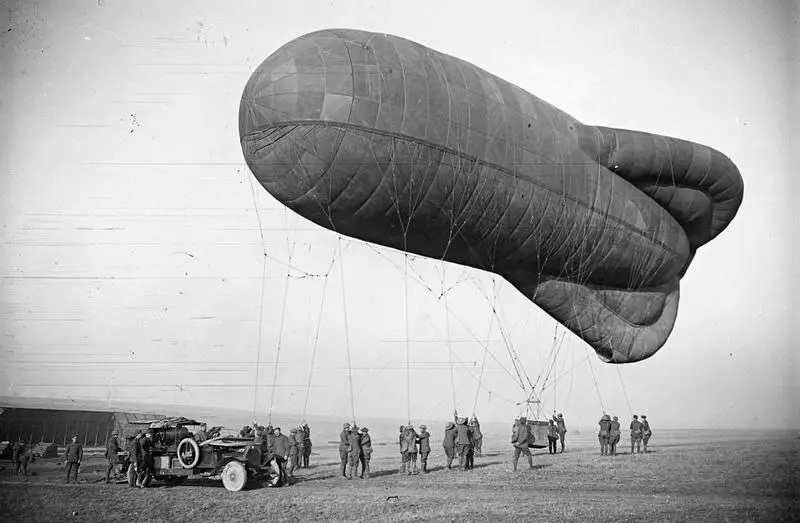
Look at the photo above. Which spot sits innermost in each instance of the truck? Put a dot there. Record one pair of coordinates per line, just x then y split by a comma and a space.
183, 448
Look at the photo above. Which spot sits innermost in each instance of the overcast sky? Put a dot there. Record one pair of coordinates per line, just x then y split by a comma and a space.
131, 252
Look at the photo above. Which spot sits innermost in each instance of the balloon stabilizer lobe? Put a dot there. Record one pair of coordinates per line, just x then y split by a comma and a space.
385, 140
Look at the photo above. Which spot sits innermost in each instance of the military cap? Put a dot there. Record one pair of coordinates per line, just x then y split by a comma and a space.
364, 429
423, 426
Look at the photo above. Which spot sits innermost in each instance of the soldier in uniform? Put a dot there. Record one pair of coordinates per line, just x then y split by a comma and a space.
366, 452
112, 447
520, 439
16, 456
636, 433
449, 442
353, 451
562, 430
463, 440
603, 434
408, 446
646, 432
74, 456
306, 444
477, 435
552, 437
614, 435
424, 440
471, 450
300, 439
402, 452
344, 445
146, 450
135, 455
293, 451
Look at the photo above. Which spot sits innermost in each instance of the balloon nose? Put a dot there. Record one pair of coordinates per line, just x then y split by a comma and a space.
309, 79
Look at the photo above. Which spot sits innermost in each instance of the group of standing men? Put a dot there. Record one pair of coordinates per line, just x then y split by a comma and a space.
463, 438
291, 452
610, 434
556, 431
22, 456
355, 446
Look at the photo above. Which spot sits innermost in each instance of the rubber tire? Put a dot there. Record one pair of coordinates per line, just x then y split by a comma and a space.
277, 475
234, 476
195, 448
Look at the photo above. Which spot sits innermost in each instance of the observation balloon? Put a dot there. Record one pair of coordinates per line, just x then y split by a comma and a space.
382, 139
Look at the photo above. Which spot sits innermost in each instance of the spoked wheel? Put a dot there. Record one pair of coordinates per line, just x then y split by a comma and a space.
276, 476
234, 476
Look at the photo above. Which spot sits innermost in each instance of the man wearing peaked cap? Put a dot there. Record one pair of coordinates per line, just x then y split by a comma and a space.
449, 443
344, 446
366, 452
424, 440
112, 448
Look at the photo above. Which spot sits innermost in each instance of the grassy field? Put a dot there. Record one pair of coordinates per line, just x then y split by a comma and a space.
688, 476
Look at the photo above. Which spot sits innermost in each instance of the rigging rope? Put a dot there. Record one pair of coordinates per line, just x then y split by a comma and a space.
316, 338
280, 338
346, 331
449, 343
408, 362
488, 339
263, 285
625, 392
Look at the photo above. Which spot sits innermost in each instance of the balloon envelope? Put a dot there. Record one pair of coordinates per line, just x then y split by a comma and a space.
385, 140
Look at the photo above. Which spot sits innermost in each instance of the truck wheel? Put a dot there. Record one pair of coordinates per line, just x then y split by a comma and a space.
188, 453
234, 476
276, 474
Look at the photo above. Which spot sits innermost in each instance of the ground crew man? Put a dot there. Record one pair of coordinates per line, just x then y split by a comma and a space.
471, 450
74, 456
520, 440
603, 434
344, 445
402, 452
135, 455
552, 436
366, 452
614, 435
409, 448
293, 451
146, 445
306, 444
562, 430
636, 433
463, 442
300, 439
280, 446
22, 455
112, 447
477, 435
646, 432
16, 456
424, 440
353, 451
449, 442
